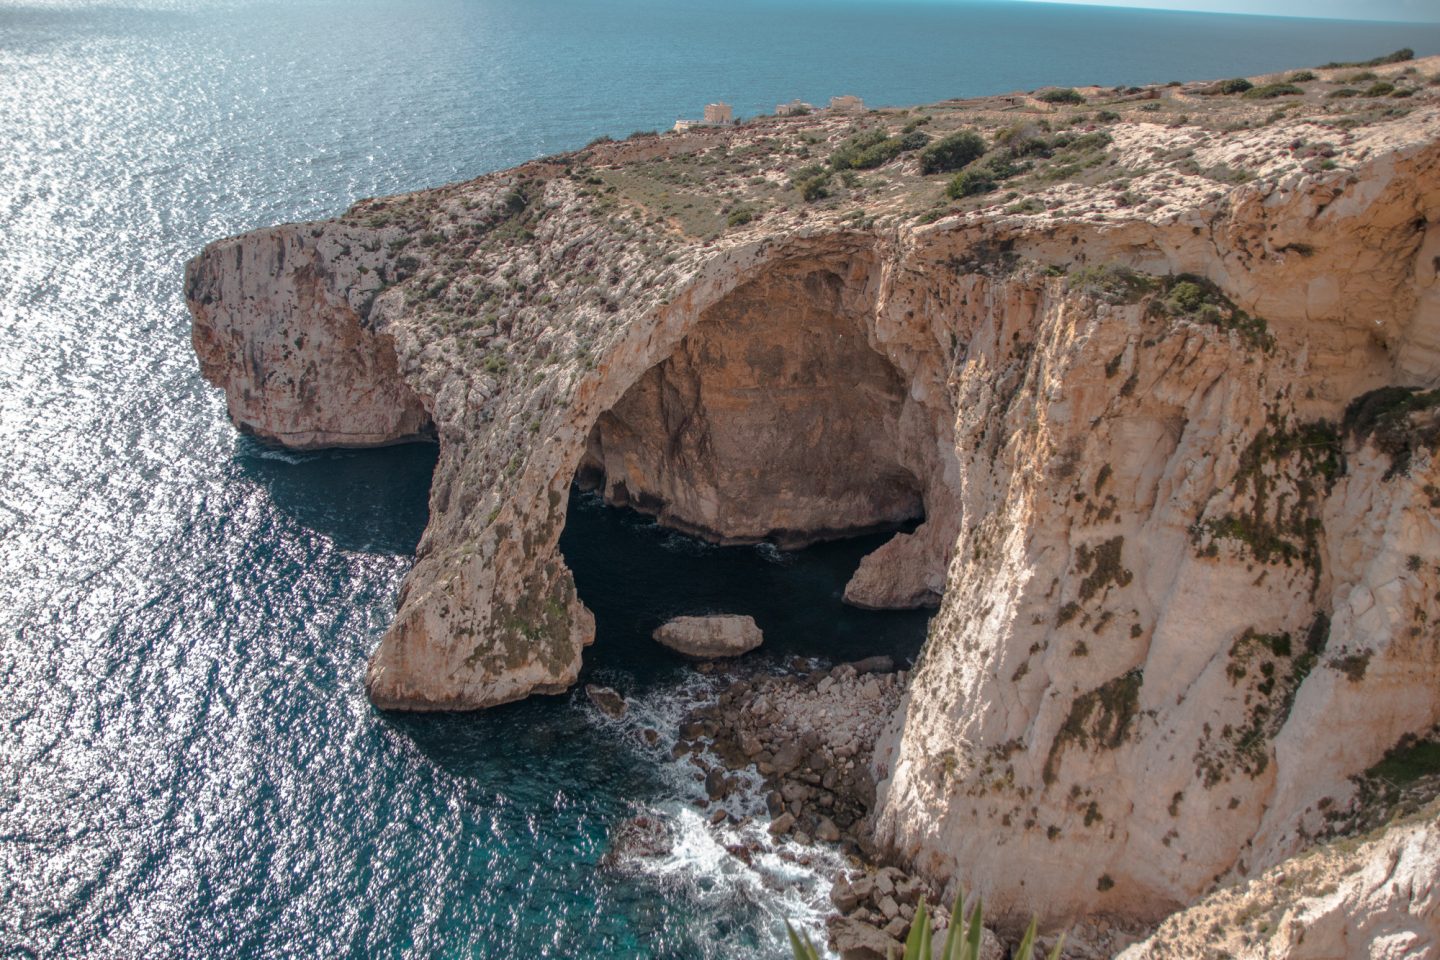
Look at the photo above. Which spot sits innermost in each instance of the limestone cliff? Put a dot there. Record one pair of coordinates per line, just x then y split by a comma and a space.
1161, 402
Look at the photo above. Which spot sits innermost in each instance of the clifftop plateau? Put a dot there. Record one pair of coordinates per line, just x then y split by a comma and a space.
1156, 372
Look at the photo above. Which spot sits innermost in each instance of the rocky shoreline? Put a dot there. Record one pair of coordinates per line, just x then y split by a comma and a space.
808, 734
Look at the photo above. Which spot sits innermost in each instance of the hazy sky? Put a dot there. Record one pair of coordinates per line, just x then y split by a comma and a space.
1425, 11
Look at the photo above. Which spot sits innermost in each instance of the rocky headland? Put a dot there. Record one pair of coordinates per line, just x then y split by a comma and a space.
1155, 373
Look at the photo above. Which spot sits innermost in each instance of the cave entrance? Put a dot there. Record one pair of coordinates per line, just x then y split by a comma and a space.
634, 574
754, 468
773, 420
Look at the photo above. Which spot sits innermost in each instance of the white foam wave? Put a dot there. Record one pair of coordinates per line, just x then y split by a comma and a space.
735, 865
284, 456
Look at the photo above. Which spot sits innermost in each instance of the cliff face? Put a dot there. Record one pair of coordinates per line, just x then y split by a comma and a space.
1181, 531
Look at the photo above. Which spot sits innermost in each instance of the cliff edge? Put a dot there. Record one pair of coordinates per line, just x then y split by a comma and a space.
1156, 374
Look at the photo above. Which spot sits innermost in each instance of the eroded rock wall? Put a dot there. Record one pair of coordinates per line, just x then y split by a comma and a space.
1183, 600
281, 325
1181, 586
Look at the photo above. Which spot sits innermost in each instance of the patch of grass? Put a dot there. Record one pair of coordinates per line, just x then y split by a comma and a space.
1408, 762
1196, 299
1103, 715
1384, 417
1112, 283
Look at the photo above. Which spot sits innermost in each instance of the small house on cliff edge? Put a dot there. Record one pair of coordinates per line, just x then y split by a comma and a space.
716, 115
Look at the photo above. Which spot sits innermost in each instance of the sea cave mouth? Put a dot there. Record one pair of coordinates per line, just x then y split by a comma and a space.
634, 574
773, 419
753, 469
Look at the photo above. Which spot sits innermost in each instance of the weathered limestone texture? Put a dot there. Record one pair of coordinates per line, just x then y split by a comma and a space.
1381, 902
1167, 422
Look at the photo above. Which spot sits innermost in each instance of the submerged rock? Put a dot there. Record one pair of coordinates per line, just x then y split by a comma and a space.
639, 836
707, 638
608, 700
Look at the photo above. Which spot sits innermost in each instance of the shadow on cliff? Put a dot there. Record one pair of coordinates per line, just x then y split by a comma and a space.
371, 501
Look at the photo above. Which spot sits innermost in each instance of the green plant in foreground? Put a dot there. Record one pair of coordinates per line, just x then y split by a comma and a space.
962, 941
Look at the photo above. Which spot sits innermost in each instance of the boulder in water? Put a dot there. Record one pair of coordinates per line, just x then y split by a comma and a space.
641, 836
707, 638
607, 700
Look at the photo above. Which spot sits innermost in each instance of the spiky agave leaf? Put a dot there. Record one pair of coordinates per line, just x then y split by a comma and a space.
800, 944
957, 923
1026, 950
973, 935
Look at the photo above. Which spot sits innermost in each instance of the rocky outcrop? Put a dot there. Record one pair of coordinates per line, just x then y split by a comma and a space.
709, 638
282, 325
1165, 416
1378, 900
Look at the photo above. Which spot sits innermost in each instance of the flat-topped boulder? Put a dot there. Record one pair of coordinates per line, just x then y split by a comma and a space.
708, 638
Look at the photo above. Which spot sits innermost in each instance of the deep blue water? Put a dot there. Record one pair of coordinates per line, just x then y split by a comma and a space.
188, 765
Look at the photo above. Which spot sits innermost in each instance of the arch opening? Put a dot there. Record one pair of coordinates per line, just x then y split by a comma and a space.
772, 420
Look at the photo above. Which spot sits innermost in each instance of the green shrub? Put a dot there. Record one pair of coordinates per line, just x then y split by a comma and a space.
1236, 85
1383, 416
813, 182
740, 216
969, 183
1301, 76
1023, 139
1342, 94
914, 140
1085, 143
1196, 299
952, 153
865, 151
815, 188
1063, 95
1399, 56
1272, 90
1112, 283
1106, 116
1380, 89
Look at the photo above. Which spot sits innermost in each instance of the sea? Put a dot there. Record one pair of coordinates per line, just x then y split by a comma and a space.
189, 766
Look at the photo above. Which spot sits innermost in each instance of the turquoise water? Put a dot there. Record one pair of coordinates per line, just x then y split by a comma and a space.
188, 765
